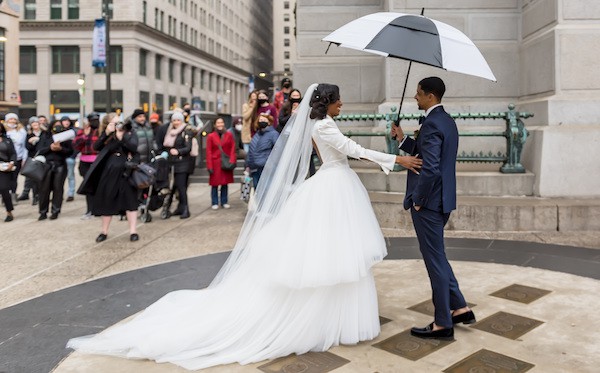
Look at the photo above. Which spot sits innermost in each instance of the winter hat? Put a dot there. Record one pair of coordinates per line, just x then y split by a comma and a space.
11, 116
137, 112
154, 117
33, 119
65, 118
177, 115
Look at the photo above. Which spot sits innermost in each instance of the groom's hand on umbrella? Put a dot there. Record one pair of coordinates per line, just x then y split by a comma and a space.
396, 132
410, 162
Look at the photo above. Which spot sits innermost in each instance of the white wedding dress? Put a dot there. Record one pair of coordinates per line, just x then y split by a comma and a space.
305, 283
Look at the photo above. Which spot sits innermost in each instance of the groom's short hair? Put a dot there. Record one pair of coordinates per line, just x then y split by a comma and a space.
433, 85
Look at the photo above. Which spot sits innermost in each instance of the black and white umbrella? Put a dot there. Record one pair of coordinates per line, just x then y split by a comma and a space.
413, 38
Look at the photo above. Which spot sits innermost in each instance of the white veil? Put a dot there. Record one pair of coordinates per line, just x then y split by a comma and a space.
285, 170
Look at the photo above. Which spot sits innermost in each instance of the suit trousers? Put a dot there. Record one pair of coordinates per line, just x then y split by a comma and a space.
429, 226
53, 182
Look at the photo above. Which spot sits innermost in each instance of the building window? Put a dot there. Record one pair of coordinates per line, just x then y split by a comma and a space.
144, 11
286, 30
65, 101
193, 83
171, 70
183, 101
286, 17
156, 18
159, 103
286, 55
286, 5
116, 60
202, 79
286, 42
109, 3
182, 74
73, 9
210, 81
162, 21
157, 67
55, 9
65, 60
145, 100
27, 60
143, 62
28, 107
2, 66
30, 8
116, 98
286, 67
172, 102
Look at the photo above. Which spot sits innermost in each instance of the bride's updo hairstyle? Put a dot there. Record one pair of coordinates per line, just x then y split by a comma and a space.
323, 96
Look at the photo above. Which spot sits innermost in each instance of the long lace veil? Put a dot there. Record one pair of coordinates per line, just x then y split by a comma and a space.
285, 170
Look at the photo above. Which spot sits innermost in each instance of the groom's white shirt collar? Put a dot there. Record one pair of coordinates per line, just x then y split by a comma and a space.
431, 109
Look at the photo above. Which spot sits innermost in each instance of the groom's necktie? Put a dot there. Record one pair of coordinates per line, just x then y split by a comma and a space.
422, 119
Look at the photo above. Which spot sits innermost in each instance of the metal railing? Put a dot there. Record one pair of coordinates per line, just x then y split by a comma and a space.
515, 134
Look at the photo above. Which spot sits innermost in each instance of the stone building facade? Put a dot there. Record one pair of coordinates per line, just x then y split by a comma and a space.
164, 53
543, 53
9, 57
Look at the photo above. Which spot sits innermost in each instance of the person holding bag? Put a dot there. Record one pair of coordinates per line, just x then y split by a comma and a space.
107, 179
8, 159
220, 151
175, 138
56, 154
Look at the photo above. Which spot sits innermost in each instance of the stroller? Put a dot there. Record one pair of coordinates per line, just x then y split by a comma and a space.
159, 193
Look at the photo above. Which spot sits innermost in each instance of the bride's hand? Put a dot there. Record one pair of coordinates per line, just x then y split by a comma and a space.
409, 162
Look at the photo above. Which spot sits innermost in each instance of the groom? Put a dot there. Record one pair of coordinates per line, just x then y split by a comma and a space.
431, 196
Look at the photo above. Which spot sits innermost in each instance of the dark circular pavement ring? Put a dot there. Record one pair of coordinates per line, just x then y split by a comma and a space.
33, 334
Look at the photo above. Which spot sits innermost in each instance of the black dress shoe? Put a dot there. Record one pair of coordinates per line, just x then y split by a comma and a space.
465, 318
9, 218
134, 237
101, 237
446, 334
70, 198
185, 213
54, 216
23, 197
43, 217
35, 201
178, 211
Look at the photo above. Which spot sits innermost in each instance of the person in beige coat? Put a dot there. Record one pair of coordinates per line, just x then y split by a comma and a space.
248, 116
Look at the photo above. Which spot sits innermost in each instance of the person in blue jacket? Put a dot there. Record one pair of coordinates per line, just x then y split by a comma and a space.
260, 147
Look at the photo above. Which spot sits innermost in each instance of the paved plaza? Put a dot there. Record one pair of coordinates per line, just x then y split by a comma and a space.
534, 294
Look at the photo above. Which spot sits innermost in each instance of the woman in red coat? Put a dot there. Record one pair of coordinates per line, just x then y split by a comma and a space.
219, 177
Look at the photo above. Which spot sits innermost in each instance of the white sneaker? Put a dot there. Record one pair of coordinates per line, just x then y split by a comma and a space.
215, 207
86, 216
226, 206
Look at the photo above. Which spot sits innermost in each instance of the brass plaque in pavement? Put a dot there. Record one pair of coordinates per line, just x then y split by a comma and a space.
412, 348
426, 307
507, 325
520, 293
383, 320
312, 362
486, 361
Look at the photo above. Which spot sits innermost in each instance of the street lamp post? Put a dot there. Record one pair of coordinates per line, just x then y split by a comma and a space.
81, 82
106, 13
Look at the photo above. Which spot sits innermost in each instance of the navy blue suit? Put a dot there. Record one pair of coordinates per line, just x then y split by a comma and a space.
435, 191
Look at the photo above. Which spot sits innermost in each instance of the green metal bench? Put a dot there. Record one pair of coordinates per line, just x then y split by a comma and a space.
515, 135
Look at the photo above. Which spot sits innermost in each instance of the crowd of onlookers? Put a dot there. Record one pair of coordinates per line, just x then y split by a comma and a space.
107, 148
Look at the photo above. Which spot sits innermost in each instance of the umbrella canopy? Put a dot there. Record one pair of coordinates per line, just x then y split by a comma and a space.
413, 38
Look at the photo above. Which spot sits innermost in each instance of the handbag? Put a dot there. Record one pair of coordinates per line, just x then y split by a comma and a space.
246, 188
35, 169
142, 176
226, 161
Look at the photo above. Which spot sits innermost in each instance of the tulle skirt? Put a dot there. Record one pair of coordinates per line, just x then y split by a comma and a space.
305, 286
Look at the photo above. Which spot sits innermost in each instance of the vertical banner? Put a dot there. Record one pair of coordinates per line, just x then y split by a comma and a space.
251, 83
99, 44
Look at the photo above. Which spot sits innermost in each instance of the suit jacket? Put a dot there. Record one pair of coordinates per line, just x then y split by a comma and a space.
437, 145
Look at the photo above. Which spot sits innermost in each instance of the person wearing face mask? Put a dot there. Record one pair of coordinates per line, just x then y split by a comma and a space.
8, 159
264, 107
289, 107
248, 116
217, 142
33, 137
236, 131
84, 144
56, 154
283, 95
107, 179
261, 146
16, 132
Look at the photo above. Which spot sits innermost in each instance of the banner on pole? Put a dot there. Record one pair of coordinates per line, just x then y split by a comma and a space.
99, 44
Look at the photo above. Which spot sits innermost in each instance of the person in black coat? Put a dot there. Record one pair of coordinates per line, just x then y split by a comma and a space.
176, 139
8, 157
107, 179
56, 154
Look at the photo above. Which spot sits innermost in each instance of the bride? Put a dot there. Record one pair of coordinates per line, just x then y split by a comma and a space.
299, 277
